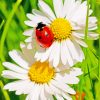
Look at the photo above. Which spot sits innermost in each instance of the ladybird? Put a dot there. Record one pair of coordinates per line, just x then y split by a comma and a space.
44, 35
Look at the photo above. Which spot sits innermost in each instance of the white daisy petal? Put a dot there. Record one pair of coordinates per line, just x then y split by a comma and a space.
28, 87
38, 13
58, 5
69, 58
48, 89
92, 27
78, 35
59, 97
64, 52
45, 55
51, 57
68, 78
30, 16
38, 56
18, 59
77, 26
66, 96
80, 25
66, 7
72, 49
92, 20
41, 14
72, 8
34, 20
13, 75
28, 97
91, 35
37, 19
30, 23
54, 89
71, 80
34, 94
46, 9
13, 85
81, 12
76, 72
79, 41
28, 32
29, 39
63, 87
14, 67
90, 12
57, 55
50, 98
28, 54
80, 52
43, 94
29, 46
24, 89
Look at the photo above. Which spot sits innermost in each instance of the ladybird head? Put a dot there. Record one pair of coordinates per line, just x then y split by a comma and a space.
40, 26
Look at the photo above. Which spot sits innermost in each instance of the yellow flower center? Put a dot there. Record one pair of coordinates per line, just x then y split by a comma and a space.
61, 29
41, 73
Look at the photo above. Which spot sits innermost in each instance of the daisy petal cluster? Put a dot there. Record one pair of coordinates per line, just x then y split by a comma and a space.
67, 23
40, 81
57, 37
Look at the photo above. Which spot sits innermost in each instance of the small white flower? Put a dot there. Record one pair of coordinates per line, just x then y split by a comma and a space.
68, 26
38, 80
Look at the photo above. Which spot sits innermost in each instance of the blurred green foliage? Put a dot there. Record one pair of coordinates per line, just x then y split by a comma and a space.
12, 17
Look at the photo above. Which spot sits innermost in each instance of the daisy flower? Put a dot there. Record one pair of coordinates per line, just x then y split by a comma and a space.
67, 23
38, 80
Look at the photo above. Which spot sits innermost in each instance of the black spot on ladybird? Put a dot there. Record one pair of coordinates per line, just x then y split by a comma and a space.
51, 41
40, 37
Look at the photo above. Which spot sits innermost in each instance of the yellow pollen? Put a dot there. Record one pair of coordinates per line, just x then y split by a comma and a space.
41, 73
61, 29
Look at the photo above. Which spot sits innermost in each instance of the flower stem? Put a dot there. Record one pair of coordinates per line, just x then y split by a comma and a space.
86, 28
4, 91
99, 59
2, 23
7, 25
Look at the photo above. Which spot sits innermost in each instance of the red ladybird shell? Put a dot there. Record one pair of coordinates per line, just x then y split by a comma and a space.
44, 36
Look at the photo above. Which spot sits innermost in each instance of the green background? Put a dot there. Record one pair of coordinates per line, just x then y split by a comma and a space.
12, 17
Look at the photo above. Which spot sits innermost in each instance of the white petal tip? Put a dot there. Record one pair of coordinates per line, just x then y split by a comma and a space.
4, 63
25, 22
22, 45
5, 87
29, 46
10, 52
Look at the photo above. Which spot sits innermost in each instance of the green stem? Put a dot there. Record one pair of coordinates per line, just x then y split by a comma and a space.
91, 81
33, 3
99, 60
86, 33
2, 23
86, 28
4, 34
4, 91
90, 71
7, 25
